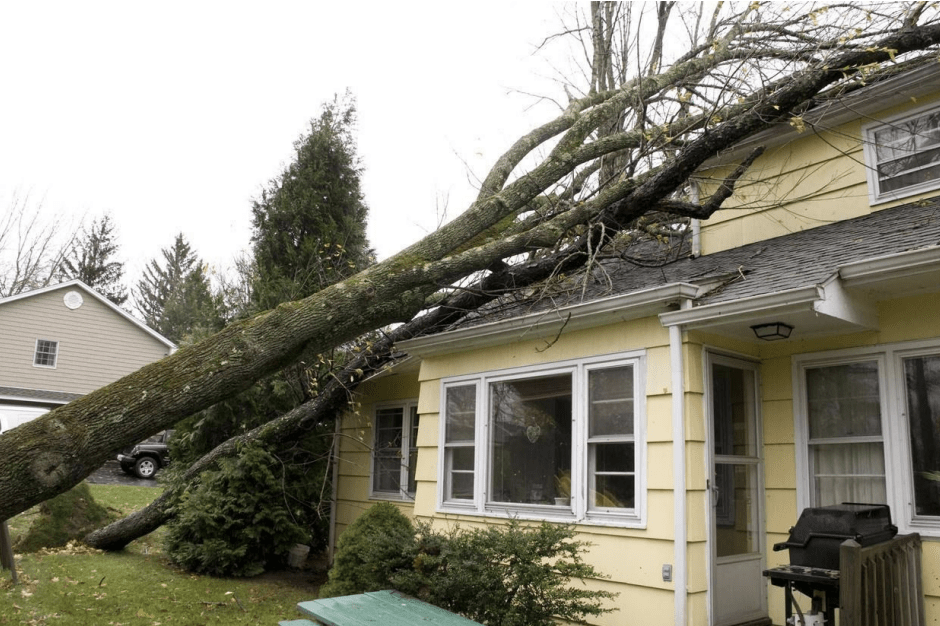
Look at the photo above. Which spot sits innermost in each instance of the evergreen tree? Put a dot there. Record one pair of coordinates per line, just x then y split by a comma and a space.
310, 223
174, 297
92, 261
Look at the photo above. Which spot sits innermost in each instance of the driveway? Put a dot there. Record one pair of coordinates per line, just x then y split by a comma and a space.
111, 474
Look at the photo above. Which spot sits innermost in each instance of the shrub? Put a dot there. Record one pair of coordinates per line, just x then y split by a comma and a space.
375, 547
511, 575
235, 522
70, 515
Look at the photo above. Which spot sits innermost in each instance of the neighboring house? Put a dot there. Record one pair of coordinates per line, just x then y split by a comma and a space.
652, 416
61, 342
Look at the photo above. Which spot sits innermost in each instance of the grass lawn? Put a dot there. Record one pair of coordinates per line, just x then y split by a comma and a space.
139, 586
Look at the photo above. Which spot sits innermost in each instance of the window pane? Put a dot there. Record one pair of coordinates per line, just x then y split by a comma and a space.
461, 413
851, 472
387, 457
614, 491
387, 473
613, 457
461, 487
734, 407
844, 400
922, 382
736, 509
459, 472
531, 438
611, 401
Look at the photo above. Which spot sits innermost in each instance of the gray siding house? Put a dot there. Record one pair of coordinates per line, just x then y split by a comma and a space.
61, 342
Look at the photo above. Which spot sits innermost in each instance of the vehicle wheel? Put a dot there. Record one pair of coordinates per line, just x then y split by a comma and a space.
145, 467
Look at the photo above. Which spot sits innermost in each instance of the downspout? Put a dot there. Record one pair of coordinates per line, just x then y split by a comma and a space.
334, 488
678, 470
696, 223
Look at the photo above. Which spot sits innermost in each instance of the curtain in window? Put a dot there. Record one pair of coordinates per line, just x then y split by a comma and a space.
845, 441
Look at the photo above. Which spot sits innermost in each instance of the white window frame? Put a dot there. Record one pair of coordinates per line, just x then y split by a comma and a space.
55, 354
875, 195
578, 510
409, 408
895, 427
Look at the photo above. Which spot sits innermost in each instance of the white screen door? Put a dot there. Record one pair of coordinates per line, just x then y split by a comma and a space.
738, 591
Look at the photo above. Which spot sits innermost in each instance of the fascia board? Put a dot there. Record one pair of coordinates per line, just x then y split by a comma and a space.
633, 305
33, 400
890, 267
800, 299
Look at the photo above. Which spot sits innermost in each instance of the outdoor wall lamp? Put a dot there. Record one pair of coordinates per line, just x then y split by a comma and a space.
773, 331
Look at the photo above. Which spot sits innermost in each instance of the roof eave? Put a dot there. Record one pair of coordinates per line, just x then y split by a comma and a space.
624, 307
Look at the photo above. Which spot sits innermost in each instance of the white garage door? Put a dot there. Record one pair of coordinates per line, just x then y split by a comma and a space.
12, 416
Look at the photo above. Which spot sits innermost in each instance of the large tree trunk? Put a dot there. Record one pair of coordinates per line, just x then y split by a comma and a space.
54, 452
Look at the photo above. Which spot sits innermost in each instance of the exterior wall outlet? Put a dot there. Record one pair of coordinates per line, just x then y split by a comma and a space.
667, 573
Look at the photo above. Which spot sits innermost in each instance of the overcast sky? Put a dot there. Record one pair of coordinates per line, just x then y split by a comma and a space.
172, 115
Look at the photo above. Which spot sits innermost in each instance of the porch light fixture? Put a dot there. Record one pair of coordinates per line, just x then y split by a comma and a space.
773, 331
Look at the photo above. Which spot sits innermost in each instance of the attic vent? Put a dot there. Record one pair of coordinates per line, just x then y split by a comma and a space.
73, 300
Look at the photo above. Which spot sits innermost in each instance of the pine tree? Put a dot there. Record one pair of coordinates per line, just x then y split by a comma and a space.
92, 261
310, 222
174, 297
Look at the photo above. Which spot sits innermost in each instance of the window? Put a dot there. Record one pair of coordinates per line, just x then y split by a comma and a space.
395, 452
869, 431
560, 441
922, 399
903, 155
46, 352
846, 448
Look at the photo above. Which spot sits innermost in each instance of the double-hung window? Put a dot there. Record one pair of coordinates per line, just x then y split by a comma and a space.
846, 446
903, 155
395, 451
46, 353
868, 430
556, 441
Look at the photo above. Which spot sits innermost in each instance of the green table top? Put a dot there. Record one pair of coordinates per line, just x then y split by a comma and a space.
389, 608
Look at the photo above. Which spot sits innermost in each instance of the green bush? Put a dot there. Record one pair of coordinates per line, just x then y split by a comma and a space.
235, 521
371, 551
508, 575
512, 575
70, 515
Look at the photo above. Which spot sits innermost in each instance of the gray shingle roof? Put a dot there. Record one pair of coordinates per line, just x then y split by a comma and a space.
795, 260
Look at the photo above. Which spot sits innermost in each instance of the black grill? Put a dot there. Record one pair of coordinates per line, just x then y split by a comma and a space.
814, 549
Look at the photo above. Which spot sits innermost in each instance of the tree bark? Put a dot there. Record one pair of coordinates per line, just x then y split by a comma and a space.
54, 452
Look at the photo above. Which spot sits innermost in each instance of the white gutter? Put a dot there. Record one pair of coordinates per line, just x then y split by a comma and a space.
800, 299
633, 305
678, 470
891, 267
334, 504
696, 224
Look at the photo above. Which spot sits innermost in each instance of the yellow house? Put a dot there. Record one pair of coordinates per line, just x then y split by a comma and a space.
683, 416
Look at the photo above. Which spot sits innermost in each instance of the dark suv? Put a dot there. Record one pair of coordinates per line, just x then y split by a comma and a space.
144, 459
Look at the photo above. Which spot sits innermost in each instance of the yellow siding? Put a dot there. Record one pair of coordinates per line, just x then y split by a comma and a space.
815, 179
633, 558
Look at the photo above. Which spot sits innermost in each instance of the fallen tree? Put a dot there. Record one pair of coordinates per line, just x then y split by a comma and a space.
512, 222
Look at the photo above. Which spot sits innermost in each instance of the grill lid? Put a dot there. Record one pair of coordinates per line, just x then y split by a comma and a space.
819, 532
